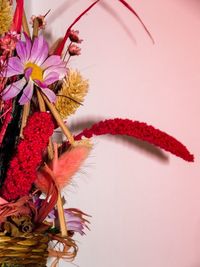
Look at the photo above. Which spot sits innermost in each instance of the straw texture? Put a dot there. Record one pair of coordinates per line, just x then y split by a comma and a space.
27, 250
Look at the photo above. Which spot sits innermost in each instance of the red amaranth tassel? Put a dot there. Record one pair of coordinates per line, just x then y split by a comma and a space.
139, 130
23, 167
17, 19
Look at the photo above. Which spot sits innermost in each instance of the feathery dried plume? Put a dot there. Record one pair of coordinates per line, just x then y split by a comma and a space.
5, 16
72, 94
62, 169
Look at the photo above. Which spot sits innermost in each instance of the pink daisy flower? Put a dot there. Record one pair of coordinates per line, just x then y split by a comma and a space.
38, 68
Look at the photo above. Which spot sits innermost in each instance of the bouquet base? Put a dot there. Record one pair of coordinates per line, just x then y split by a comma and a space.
26, 250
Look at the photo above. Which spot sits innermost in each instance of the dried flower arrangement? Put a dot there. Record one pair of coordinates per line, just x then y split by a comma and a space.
37, 92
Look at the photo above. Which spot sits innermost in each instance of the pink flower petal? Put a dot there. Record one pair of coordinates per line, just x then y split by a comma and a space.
44, 54
15, 67
50, 94
27, 73
13, 89
28, 46
62, 72
59, 69
51, 78
51, 61
75, 226
34, 50
37, 49
27, 93
40, 84
21, 51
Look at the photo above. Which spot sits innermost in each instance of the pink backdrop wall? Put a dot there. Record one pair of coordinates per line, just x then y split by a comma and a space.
145, 208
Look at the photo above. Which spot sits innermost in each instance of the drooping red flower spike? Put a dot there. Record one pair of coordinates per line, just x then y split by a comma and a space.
23, 167
61, 45
18, 15
139, 130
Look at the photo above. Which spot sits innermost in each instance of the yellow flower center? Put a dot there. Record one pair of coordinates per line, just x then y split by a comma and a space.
37, 72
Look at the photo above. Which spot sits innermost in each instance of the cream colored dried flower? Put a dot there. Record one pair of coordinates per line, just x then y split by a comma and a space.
83, 142
72, 93
5, 16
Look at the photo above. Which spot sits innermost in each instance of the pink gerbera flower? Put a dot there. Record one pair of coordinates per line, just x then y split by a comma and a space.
38, 68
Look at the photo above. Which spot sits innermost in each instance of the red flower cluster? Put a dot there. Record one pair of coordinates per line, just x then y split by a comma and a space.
22, 171
141, 131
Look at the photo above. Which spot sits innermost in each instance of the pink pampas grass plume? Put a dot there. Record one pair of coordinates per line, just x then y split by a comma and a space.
64, 167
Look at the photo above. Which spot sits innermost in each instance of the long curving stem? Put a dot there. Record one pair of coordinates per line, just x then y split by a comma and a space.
26, 110
26, 107
61, 216
58, 119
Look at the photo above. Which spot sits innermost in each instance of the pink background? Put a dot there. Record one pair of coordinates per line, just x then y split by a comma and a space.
145, 206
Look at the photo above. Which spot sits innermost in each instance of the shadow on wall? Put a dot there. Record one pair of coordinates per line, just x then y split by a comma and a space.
28, 8
193, 6
118, 19
108, 8
134, 143
54, 14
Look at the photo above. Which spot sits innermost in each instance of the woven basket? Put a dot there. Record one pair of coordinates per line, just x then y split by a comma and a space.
27, 250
